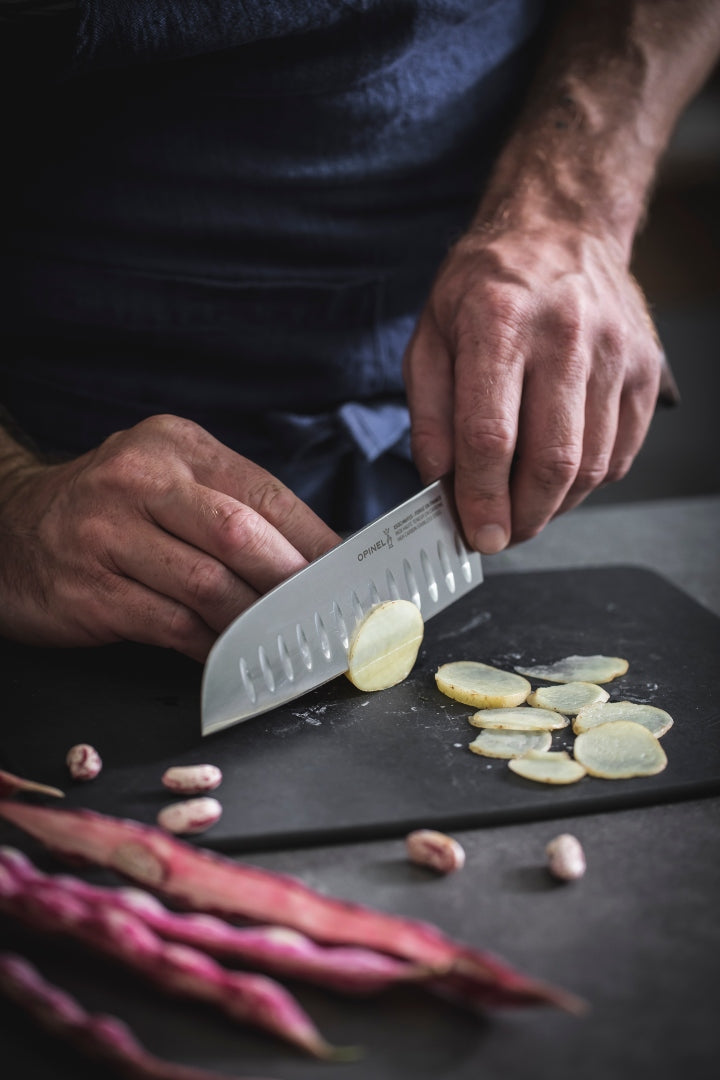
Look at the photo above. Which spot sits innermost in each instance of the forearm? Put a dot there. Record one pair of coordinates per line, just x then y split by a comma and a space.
615, 77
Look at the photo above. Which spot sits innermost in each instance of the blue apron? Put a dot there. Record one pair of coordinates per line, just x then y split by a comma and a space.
234, 211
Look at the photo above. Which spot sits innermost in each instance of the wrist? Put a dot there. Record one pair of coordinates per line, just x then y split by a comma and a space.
572, 188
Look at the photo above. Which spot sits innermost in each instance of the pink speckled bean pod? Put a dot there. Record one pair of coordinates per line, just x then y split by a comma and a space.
9, 784
275, 949
207, 882
96, 1035
177, 969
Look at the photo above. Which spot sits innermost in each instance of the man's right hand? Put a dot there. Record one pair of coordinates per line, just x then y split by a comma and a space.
161, 535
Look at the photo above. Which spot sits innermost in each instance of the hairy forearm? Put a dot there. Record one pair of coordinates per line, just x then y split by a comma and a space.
614, 79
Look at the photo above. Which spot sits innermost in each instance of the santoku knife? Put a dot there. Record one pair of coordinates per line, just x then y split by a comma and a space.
296, 637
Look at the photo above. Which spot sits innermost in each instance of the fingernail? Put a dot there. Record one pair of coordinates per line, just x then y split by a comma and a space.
490, 539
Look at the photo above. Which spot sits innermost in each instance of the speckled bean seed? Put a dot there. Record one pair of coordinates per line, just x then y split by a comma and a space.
426, 847
190, 816
565, 857
191, 779
83, 761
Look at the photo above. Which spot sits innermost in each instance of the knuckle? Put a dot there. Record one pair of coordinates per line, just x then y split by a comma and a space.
565, 325
491, 438
430, 442
643, 379
241, 529
206, 582
492, 321
181, 628
273, 501
590, 475
612, 341
126, 471
555, 467
505, 304
125, 465
93, 533
618, 469
167, 426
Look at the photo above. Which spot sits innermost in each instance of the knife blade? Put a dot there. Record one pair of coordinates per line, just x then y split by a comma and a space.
296, 637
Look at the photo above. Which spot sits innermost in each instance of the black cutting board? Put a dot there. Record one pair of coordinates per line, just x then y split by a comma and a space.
339, 764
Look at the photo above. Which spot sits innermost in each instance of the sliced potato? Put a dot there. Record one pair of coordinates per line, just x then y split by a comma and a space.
568, 698
509, 744
591, 669
657, 721
618, 750
481, 685
520, 718
548, 767
384, 645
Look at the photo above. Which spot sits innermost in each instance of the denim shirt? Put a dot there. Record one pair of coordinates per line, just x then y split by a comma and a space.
233, 211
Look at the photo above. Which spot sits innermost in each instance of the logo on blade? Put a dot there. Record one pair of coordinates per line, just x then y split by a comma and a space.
385, 542
400, 530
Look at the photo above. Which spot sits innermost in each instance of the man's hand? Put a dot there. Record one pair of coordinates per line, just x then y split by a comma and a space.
161, 535
533, 373
534, 368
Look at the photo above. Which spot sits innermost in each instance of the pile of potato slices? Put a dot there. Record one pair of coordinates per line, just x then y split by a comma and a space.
614, 740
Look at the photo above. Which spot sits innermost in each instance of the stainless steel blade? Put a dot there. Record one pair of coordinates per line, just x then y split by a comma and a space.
296, 636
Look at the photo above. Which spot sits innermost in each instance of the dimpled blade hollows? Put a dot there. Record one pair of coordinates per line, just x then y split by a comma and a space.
296, 637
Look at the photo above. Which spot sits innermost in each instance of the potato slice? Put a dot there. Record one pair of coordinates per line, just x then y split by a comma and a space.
521, 718
481, 685
568, 698
657, 721
618, 750
592, 669
384, 645
548, 767
509, 744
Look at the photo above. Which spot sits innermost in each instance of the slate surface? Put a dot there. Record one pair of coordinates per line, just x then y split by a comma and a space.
342, 765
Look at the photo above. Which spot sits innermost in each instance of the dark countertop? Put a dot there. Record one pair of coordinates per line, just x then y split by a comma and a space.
638, 937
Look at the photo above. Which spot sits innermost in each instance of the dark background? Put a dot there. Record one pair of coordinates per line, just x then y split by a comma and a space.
677, 262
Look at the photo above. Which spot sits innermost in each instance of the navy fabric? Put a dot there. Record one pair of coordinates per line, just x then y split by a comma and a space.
234, 211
